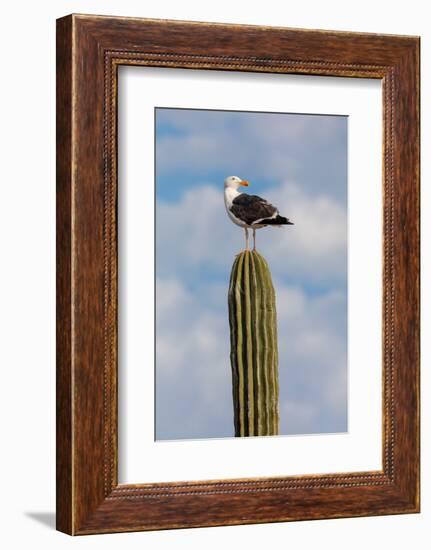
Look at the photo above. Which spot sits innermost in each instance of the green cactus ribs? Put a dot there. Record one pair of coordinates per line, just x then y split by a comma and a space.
254, 351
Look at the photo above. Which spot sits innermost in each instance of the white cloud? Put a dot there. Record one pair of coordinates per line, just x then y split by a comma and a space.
263, 144
315, 247
195, 232
193, 374
313, 359
193, 367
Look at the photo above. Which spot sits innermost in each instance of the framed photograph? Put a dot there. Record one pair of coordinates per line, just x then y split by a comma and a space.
237, 274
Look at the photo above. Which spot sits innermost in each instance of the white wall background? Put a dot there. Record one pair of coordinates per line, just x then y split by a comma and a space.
27, 280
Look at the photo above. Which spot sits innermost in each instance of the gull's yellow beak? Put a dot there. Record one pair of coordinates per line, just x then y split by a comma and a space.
245, 183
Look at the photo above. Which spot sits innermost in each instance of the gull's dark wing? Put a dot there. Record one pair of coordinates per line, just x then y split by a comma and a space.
251, 208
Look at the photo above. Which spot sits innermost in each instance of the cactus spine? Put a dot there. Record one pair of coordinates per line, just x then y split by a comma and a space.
254, 352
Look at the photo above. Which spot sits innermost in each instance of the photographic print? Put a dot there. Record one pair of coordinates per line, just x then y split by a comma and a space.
237, 274
217, 365
251, 273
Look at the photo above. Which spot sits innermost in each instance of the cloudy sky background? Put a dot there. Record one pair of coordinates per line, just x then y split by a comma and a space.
298, 162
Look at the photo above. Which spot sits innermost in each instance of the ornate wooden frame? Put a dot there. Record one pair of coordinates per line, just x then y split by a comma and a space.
89, 51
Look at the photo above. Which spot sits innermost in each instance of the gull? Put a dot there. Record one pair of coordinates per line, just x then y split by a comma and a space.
249, 211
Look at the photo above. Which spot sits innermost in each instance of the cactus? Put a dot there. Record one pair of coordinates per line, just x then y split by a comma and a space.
254, 352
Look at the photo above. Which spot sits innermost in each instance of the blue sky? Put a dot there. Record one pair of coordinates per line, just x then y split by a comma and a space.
298, 162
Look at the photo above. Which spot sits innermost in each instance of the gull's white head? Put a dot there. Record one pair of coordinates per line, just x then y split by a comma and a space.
233, 182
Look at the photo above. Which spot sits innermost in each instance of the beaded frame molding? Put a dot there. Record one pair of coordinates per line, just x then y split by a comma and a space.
89, 51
